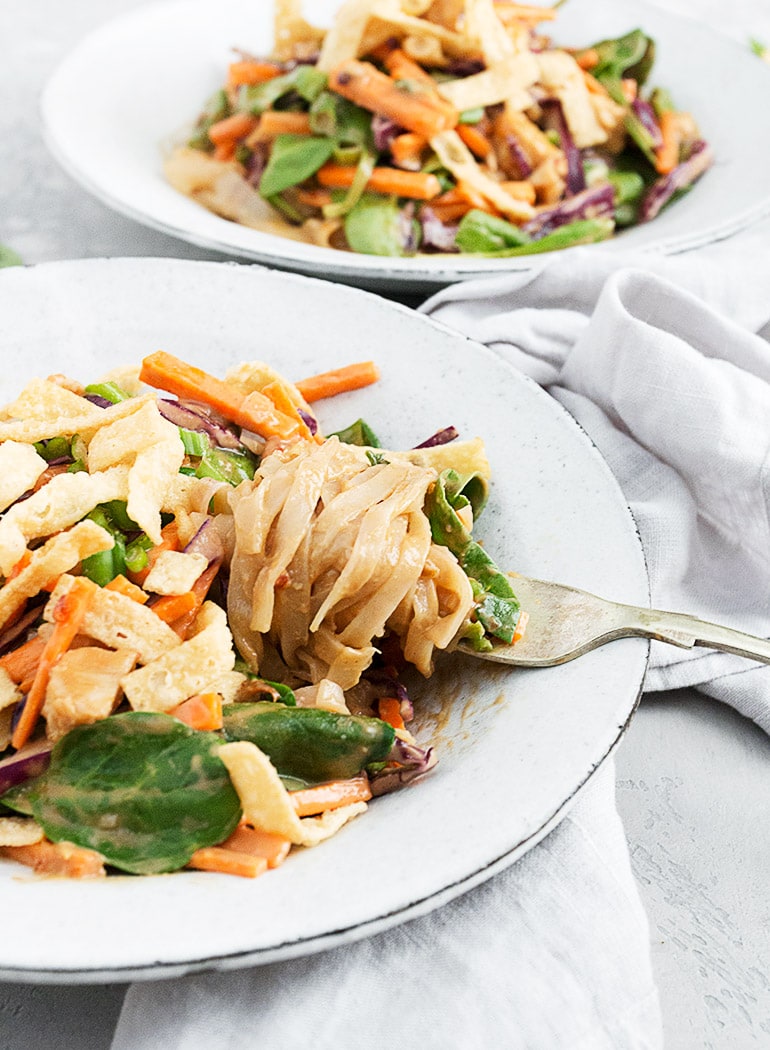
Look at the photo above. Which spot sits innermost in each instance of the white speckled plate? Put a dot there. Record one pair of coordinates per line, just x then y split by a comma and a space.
514, 746
132, 85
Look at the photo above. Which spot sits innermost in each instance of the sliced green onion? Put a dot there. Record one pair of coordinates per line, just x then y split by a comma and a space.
195, 443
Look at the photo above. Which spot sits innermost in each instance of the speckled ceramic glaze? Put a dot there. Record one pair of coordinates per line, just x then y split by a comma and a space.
157, 65
514, 746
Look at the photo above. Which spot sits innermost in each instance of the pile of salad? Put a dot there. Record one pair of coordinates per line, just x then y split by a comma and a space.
452, 126
206, 607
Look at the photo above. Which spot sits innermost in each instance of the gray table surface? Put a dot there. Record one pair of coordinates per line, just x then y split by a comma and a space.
692, 783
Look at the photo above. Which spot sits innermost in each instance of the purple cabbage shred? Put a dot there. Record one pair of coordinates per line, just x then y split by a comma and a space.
384, 130
598, 202
309, 420
435, 233
684, 175
553, 113
98, 400
413, 761
648, 120
441, 437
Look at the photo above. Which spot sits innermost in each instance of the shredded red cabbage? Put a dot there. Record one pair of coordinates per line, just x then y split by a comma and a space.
684, 175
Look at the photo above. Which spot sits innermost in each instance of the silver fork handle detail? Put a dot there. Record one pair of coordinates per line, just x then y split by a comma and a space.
688, 631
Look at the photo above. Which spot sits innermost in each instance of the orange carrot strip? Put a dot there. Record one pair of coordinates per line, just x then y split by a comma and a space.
450, 212
364, 84
169, 542
57, 858
202, 711
232, 128
587, 59
474, 198
199, 590
21, 663
227, 862
407, 148
277, 394
314, 198
224, 151
339, 381
253, 411
251, 72
389, 709
171, 606
336, 793
245, 839
402, 67
68, 616
125, 587
275, 122
419, 185
521, 627
667, 154
478, 144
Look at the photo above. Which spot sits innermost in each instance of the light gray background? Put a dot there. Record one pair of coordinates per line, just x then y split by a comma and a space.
693, 785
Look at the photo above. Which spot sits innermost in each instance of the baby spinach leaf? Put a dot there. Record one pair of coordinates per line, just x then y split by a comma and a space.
293, 159
142, 789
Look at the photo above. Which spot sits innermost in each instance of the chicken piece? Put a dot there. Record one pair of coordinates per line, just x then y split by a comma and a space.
84, 687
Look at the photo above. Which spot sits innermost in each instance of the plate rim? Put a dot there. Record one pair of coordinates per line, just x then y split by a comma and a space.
375, 271
301, 946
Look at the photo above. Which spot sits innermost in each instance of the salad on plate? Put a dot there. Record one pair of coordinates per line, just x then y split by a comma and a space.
440, 126
206, 607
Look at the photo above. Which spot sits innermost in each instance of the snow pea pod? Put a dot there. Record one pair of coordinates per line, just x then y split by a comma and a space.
307, 742
480, 232
583, 231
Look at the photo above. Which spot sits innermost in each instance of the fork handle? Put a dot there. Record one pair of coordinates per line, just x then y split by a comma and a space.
688, 631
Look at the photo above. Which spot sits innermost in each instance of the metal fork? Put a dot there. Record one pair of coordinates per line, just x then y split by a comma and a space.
565, 623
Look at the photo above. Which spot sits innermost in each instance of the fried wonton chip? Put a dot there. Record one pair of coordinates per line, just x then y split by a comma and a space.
195, 666
9, 694
85, 422
266, 803
84, 687
174, 572
466, 457
119, 622
126, 377
149, 479
343, 40
482, 23
20, 467
63, 501
121, 441
42, 399
60, 554
563, 78
506, 81
19, 831
458, 159
292, 33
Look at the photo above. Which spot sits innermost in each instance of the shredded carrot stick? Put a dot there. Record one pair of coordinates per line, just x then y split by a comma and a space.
245, 839
20, 565
250, 71
202, 711
68, 616
402, 67
224, 151
418, 185
667, 154
227, 862
21, 663
229, 130
407, 149
314, 198
521, 627
277, 394
57, 858
389, 709
125, 587
364, 84
336, 793
450, 206
277, 122
169, 542
200, 589
474, 198
339, 381
171, 606
478, 144
588, 59
253, 411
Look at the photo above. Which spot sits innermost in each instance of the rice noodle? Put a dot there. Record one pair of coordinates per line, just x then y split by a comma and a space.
331, 551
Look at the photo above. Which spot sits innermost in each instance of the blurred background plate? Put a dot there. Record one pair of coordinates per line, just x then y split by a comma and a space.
132, 85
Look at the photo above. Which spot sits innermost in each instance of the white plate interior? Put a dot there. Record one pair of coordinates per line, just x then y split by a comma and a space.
156, 66
514, 746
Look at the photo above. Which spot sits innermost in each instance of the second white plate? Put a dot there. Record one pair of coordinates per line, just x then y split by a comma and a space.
132, 85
